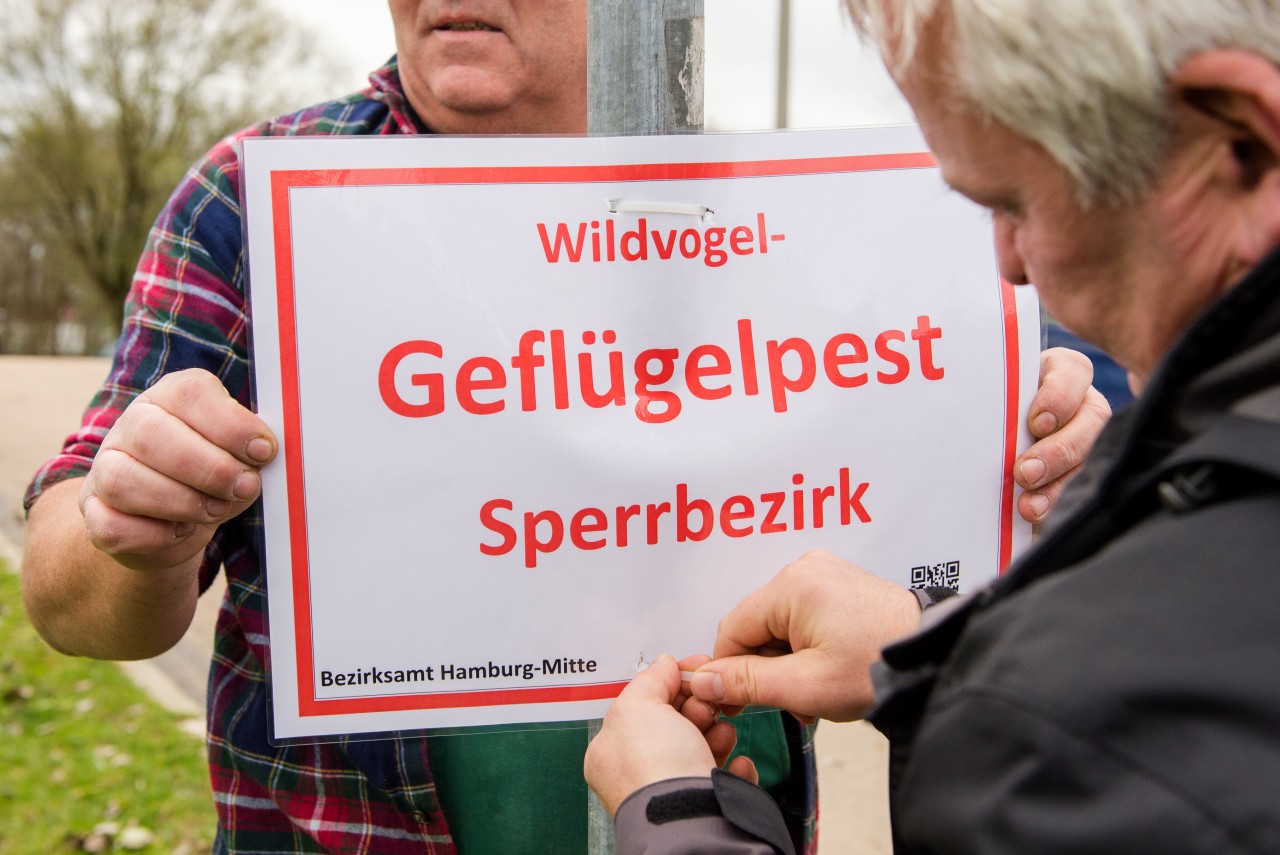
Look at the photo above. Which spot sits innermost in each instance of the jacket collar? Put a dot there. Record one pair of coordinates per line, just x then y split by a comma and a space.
385, 86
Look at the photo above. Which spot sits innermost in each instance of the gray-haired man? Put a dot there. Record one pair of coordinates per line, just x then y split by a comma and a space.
1111, 693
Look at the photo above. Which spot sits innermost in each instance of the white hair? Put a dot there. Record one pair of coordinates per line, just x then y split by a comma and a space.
1086, 79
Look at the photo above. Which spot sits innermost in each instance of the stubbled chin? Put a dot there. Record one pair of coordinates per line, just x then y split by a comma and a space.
463, 99
470, 89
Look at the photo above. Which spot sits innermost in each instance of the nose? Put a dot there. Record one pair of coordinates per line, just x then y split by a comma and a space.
1012, 266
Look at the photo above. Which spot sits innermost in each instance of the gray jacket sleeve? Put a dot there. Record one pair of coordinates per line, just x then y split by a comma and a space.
720, 815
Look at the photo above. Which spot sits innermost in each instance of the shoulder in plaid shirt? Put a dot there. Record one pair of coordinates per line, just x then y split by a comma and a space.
186, 309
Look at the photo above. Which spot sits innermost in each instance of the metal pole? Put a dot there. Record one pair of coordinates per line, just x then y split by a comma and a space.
600, 840
784, 62
644, 76
644, 66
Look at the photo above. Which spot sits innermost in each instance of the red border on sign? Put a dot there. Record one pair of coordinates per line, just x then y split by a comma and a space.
1012, 389
284, 181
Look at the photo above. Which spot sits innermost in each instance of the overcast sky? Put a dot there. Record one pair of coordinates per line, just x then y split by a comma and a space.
833, 81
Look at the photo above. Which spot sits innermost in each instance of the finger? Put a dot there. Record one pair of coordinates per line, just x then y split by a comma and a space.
688, 665
1064, 376
162, 441
141, 542
199, 399
754, 622
744, 767
126, 485
693, 663
744, 680
721, 739
1034, 506
1060, 454
660, 682
702, 714
761, 623
808, 682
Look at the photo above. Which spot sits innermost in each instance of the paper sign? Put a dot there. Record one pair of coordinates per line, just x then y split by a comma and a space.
550, 407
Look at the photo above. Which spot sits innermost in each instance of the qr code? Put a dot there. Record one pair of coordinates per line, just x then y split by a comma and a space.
946, 575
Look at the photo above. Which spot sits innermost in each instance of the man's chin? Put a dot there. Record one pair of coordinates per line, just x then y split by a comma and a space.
466, 90
466, 96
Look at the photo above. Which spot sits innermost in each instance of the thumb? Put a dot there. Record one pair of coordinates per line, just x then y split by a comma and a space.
743, 680
660, 681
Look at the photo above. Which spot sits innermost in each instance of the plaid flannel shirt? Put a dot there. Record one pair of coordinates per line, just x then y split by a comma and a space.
186, 309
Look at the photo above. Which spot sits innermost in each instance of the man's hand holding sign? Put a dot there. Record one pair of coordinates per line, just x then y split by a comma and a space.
183, 459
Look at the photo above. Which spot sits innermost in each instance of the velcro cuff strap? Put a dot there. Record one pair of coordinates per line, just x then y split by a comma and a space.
689, 803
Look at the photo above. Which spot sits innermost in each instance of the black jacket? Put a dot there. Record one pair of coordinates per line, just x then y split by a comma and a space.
1119, 689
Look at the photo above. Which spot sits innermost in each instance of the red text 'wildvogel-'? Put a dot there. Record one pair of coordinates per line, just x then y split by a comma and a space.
611, 242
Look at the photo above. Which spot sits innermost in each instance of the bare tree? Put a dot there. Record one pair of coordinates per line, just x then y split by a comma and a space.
103, 104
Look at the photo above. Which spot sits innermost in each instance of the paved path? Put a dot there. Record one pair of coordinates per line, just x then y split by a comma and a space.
40, 402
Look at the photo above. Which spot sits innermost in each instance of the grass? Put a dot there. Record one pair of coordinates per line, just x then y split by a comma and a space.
80, 745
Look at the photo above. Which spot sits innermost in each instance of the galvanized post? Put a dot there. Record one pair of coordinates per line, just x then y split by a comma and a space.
644, 76
599, 825
644, 66
783, 118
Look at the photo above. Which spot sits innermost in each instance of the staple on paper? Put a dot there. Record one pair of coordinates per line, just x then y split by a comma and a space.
628, 206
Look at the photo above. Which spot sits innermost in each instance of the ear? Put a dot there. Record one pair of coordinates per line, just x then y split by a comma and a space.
1241, 92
